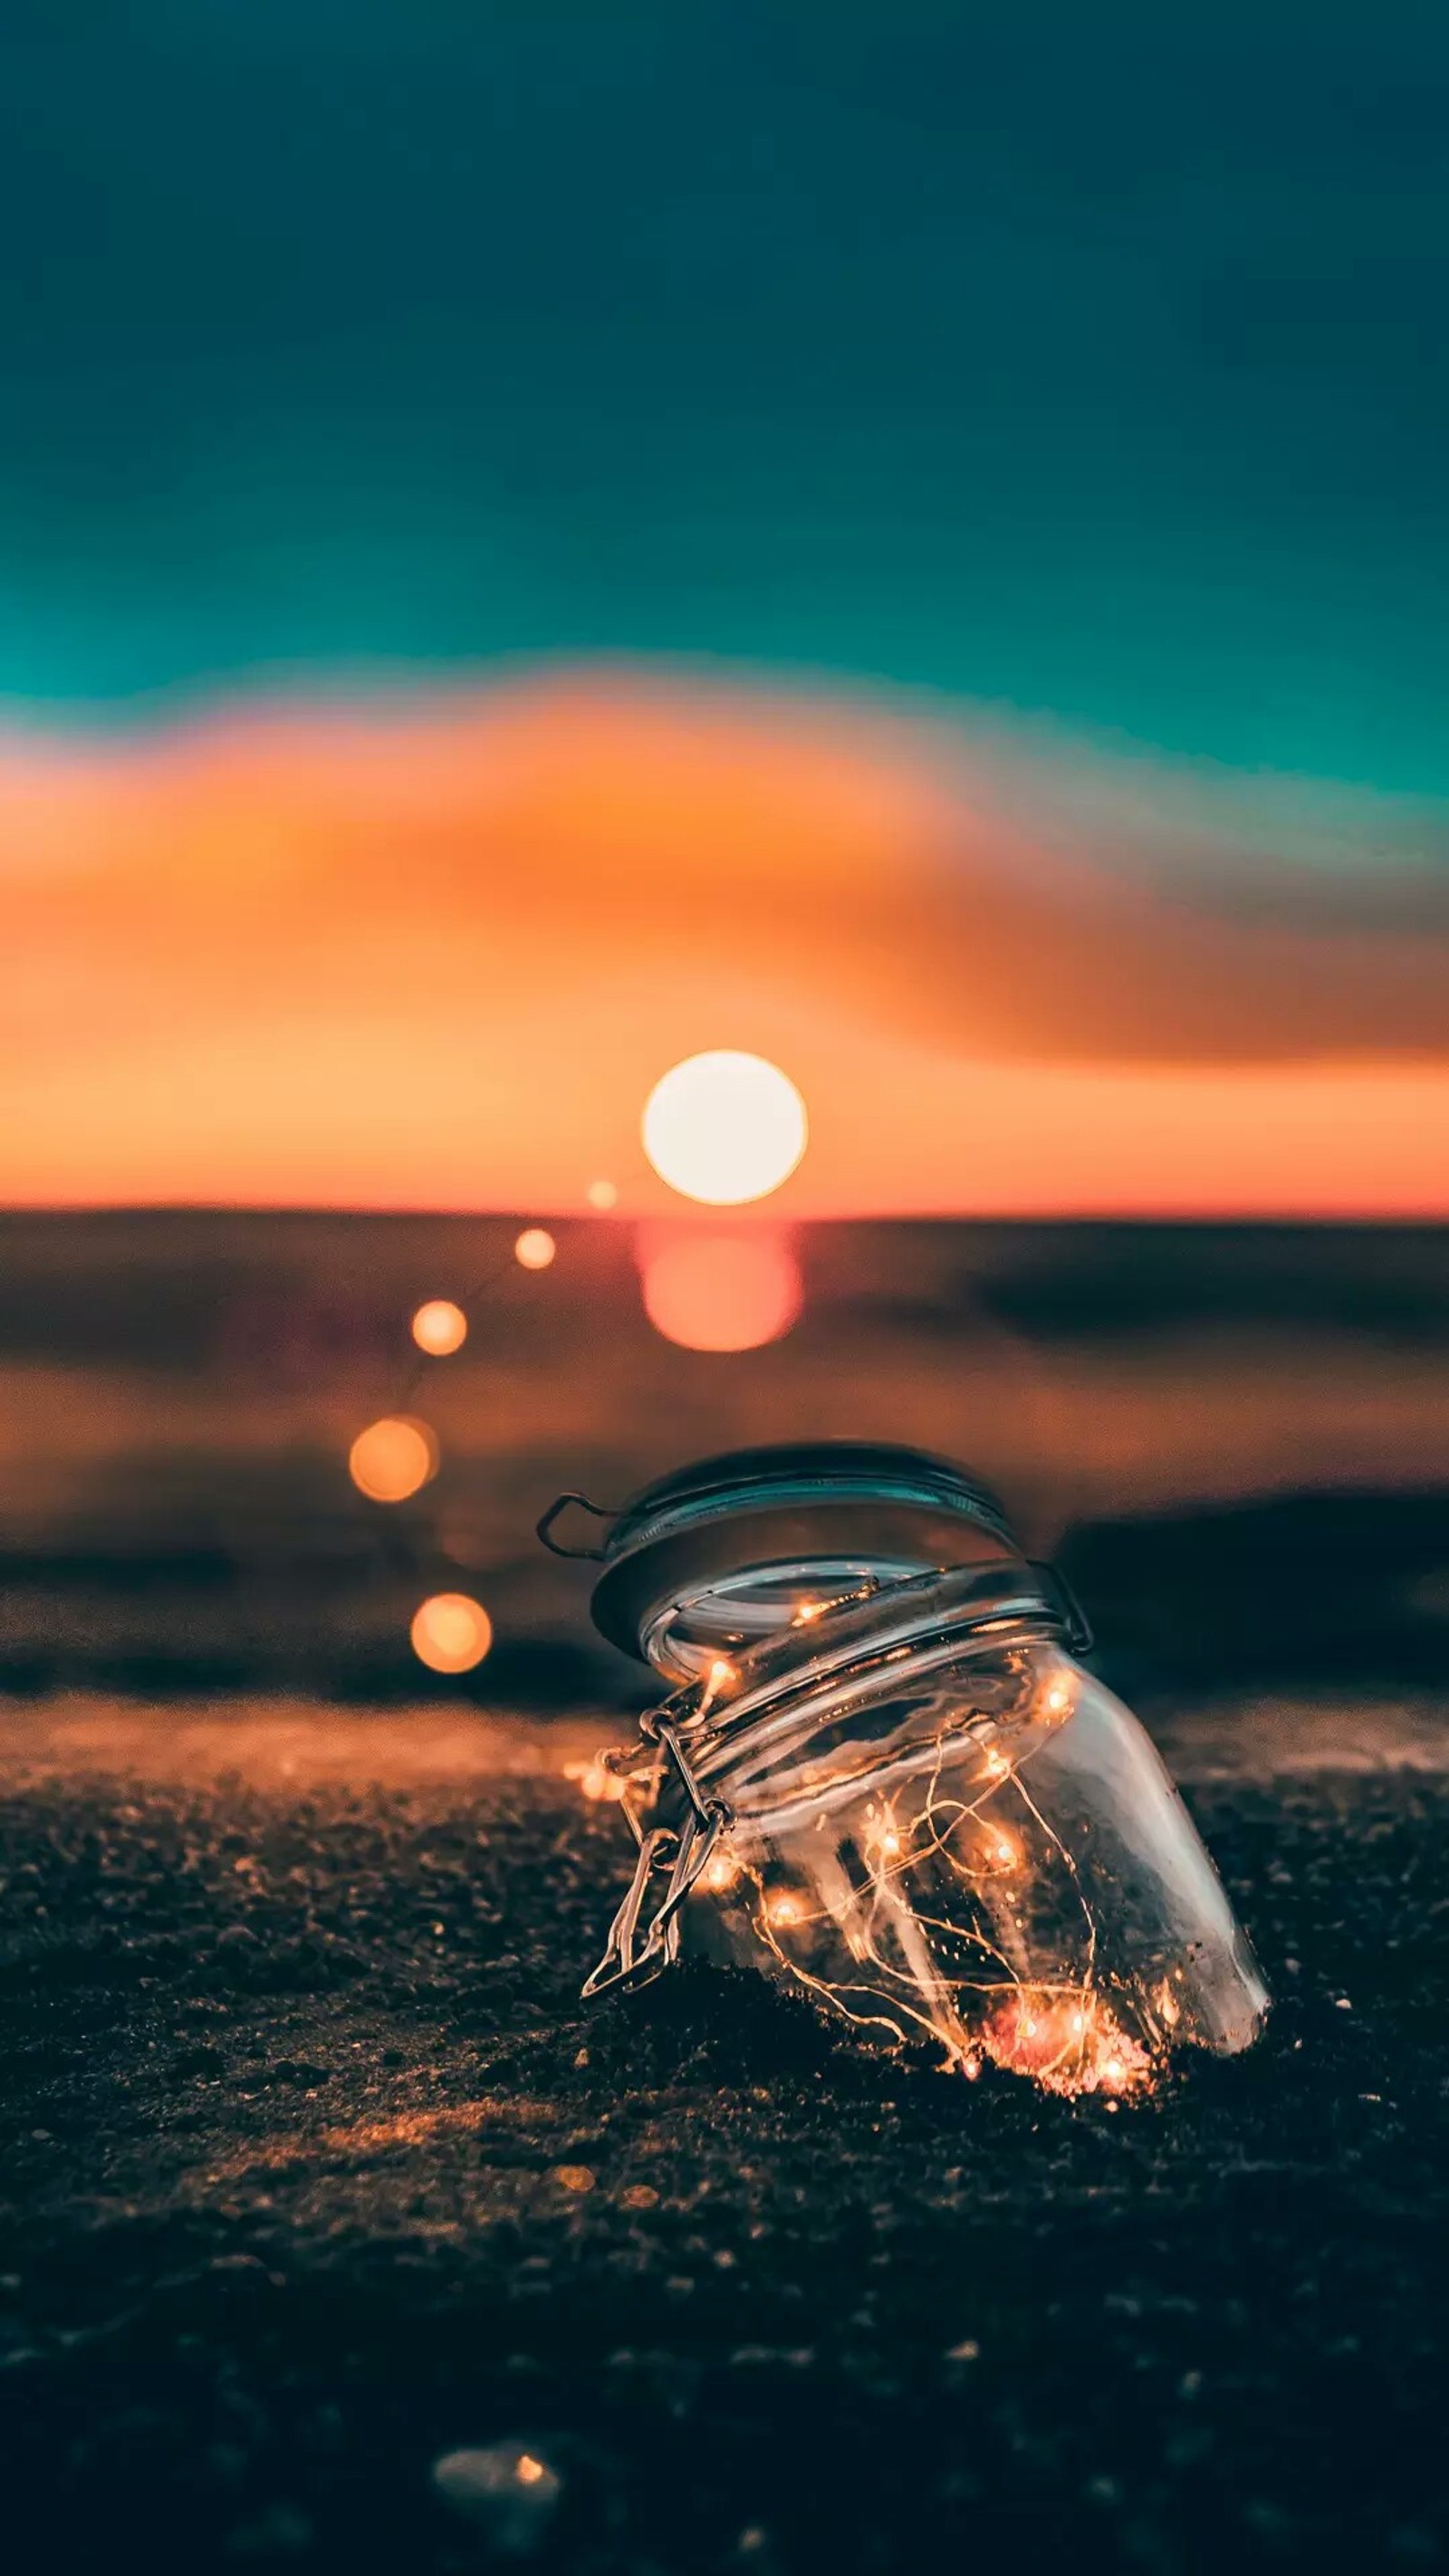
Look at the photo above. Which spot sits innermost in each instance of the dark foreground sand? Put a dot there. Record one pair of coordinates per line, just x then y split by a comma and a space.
320, 2174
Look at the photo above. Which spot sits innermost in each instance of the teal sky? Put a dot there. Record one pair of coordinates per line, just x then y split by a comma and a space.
1088, 361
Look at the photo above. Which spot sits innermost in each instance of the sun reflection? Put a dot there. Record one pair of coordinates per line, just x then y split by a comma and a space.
711, 1292
393, 1458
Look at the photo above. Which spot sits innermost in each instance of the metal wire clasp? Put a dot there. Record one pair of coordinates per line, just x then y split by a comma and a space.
1068, 1608
629, 1960
576, 1502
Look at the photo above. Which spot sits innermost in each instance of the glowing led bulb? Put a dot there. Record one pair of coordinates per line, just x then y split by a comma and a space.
451, 1633
596, 1781
535, 1248
717, 1679
393, 1458
440, 1327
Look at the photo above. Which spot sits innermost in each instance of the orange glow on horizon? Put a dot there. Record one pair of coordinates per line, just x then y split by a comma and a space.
433, 952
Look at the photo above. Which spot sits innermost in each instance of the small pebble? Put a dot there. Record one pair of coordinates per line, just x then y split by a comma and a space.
506, 2490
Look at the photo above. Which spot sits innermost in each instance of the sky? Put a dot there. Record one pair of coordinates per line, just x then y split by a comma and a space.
939, 514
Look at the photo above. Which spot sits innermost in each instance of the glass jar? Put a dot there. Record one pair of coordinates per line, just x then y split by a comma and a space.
896, 1789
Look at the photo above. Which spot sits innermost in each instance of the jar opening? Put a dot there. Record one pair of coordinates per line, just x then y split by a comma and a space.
723, 1554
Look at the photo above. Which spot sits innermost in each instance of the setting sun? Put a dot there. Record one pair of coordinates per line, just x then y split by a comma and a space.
725, 1128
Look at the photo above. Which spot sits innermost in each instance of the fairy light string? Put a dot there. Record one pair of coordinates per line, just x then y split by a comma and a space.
440, 1327
1060, 2030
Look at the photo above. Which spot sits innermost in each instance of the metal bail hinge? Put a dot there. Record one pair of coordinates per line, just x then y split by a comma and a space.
630, 1961
555, 1512
1064, 1601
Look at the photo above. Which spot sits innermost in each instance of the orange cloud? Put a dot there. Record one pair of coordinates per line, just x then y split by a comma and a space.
435, 953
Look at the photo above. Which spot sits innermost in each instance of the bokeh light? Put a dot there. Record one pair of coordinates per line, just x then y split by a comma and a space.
451, 1632
602, 1195
725, 1127
393, 1458
596, 1781
722, 1292
440, 1327
535, 1248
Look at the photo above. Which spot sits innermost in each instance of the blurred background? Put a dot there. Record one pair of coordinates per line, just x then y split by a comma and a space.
540, 542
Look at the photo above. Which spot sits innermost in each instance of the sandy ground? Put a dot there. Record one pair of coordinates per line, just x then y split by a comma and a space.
330, 2204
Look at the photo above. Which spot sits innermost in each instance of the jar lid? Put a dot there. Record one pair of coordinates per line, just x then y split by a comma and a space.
773, 1522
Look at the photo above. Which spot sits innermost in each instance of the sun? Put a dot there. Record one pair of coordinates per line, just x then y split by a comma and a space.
725, 1127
